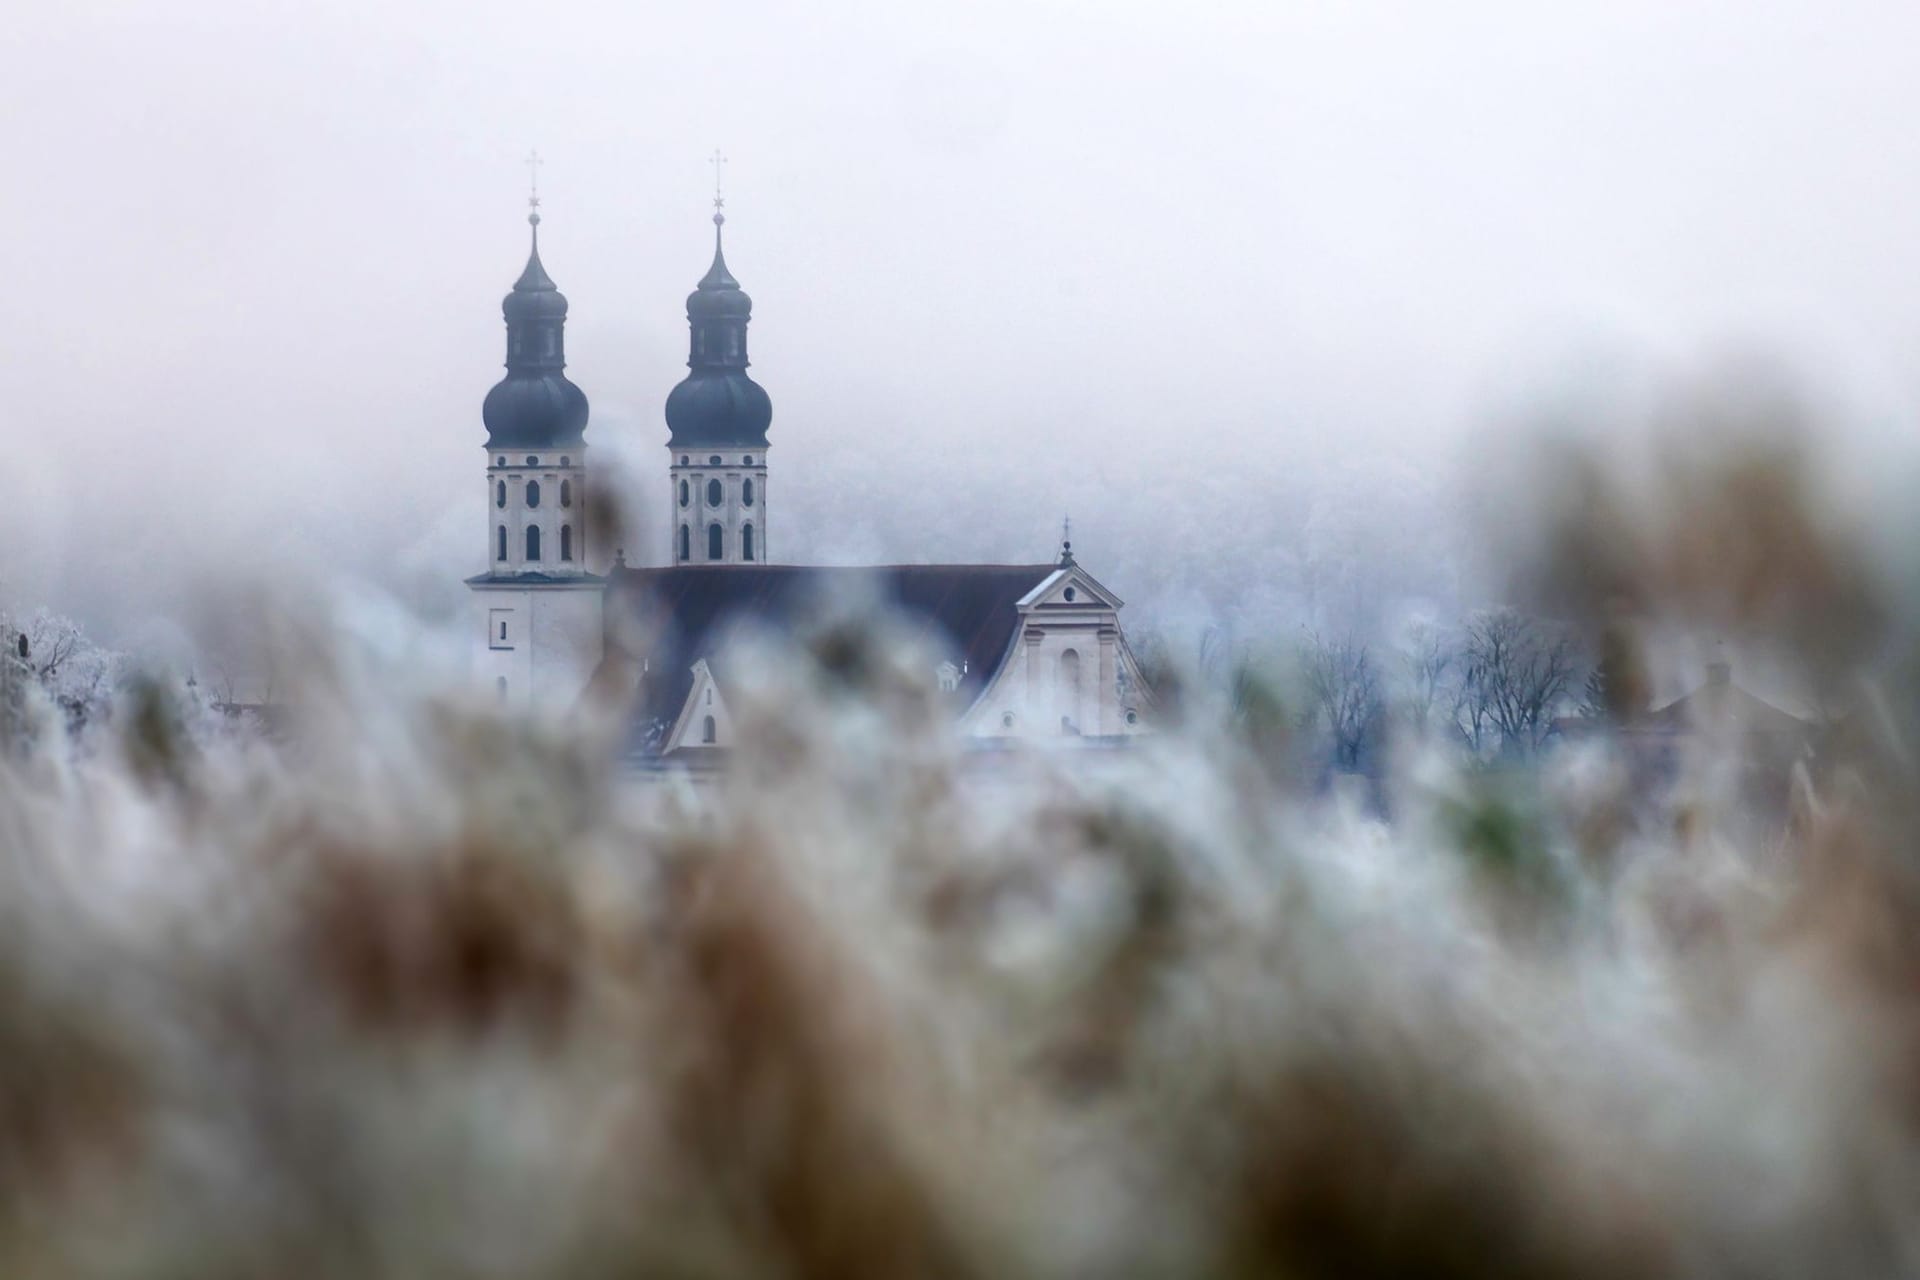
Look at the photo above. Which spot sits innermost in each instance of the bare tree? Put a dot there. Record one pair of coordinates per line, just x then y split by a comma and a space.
1345, 688
1516, 673
1427, 664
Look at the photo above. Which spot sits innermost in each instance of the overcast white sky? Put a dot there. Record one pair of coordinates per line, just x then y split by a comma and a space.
256, 252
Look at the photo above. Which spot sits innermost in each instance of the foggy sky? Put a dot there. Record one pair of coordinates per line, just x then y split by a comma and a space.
1171, 267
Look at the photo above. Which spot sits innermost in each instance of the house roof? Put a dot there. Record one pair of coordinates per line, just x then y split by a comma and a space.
681, 615
1720, 706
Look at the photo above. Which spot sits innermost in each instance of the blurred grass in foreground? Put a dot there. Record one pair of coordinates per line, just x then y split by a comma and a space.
414, 990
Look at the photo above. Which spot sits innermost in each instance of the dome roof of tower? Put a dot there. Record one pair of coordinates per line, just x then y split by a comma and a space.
534, 294
718, 293
534, 410
718, 407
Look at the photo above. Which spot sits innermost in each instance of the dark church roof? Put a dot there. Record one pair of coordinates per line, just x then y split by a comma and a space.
689, 613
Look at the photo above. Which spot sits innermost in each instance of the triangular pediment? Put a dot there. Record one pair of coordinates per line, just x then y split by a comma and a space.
1069, 587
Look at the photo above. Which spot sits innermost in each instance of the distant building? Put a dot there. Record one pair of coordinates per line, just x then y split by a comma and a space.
1761, 740
1021, 651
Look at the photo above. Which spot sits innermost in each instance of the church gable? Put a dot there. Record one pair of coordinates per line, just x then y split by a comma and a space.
1070, 587
703, 720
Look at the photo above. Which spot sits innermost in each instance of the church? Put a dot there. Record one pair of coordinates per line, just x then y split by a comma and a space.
1024, 651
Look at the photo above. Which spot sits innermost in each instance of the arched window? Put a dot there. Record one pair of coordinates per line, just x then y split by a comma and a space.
500, 493
746, 492
715, 539
709, 731
499, 462
747, 461
1069, 691
714, 493
686, 543
683, 459
746, 542
533, 493
532, 461
566, 493
715, 460
566, 542
502, 555
533, 542
685, 495
565, 461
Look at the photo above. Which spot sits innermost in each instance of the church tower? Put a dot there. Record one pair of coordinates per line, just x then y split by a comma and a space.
717, 419
537, 608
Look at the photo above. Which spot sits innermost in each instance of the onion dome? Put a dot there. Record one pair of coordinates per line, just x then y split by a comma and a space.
718, 293
535, 406
717, 404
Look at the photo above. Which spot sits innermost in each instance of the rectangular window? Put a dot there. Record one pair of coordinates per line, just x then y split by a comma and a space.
499, 628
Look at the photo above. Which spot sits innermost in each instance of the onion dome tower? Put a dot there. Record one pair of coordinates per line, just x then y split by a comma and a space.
537, 608
536, 434
717, 421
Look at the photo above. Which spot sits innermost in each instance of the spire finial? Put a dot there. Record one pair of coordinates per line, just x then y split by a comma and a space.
1066, 541
719, 163
533, 188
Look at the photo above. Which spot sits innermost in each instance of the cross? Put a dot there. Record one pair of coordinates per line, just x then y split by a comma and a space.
718, 162
533, 179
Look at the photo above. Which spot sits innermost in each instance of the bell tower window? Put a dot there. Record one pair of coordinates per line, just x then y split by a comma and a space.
502, 554
716, 540
533, 494
686, 543
746, 492
714, 493
746, 542
533, 542
566, 542
500, 493
566, 493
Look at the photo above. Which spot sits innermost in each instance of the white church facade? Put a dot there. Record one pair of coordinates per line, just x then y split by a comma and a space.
1024, 652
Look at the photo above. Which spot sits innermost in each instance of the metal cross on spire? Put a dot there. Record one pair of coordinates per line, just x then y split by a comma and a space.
1066, 540
718, 162
533, 186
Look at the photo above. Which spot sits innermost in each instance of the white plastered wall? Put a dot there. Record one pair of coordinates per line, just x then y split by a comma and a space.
551, 645
734, 511
548, 469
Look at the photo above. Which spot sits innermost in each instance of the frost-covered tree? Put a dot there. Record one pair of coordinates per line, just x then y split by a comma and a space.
52, 654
